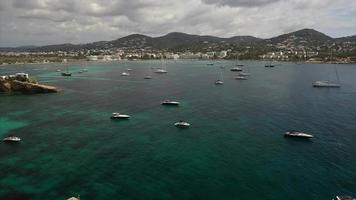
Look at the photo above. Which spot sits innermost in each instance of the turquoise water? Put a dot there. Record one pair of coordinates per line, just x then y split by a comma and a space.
234, 149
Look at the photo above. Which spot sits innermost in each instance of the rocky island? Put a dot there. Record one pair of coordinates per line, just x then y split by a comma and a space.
20, 82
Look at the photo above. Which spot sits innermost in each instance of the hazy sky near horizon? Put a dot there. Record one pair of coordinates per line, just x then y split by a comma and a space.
42, 22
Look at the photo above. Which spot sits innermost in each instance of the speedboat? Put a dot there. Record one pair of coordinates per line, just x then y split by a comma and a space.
219, 82
161, 71
239, 77
170, 103
125, 74
236, 69
148, 77
12, 139
182, 124
326, 84
297, 134
344, 198
128, 69
119, 116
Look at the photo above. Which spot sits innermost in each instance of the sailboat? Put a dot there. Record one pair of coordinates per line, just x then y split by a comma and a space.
269, 64
328, 84
220, 80
163, 69
148, 75
247, 73
66, 73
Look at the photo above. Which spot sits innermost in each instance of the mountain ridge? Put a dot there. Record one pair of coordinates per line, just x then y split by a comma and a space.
179, 40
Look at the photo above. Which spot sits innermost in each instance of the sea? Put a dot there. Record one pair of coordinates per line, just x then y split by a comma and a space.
234, 149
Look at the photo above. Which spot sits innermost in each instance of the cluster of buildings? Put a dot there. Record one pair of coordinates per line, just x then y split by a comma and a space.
17, 76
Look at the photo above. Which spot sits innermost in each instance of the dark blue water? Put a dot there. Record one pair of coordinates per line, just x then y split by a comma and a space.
234, 149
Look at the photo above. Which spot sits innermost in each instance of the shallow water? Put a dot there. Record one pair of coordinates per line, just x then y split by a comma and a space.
234, 149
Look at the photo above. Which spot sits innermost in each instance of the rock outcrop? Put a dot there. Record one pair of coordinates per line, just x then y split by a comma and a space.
26, 87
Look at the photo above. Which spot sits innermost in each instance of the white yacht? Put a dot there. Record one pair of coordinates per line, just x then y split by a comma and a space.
12, 139
297, 134
119, 116
125, 74
182, 124
170, 103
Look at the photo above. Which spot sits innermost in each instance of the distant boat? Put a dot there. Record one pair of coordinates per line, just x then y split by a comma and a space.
12, 139
163, 69
125, 74
128, 69
297, 134
81, 71
66, 73
239, 65
119, 116
182, 124
328, 84
170, 103
344, 198
244, 74
236, 69
220, 80
269, 64
240, 77
58, 70
148, 77
209, 63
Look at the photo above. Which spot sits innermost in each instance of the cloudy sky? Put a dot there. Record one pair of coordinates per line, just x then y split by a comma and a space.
41, 22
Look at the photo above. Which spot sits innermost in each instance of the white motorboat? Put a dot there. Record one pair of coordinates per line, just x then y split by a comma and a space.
12, 139
170, 103
182, 124
119, 116
125, 74
297, 134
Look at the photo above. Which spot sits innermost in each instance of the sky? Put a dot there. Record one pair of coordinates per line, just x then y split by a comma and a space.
43, 22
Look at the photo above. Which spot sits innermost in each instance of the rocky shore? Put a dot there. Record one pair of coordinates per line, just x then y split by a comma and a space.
24, 87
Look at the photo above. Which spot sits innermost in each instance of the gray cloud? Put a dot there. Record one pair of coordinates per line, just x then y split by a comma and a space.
240, 3
40, 22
